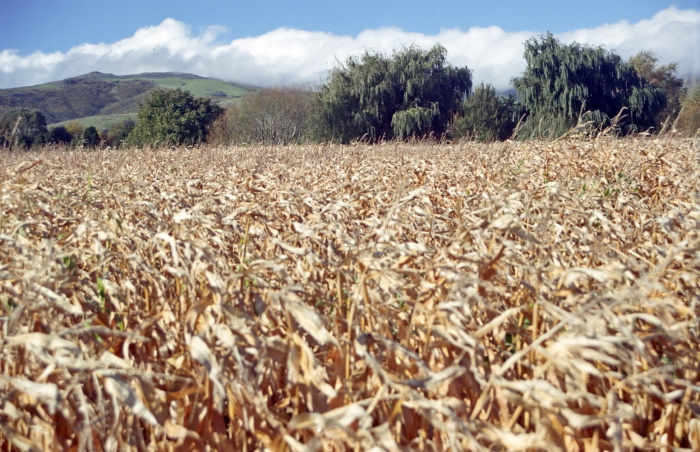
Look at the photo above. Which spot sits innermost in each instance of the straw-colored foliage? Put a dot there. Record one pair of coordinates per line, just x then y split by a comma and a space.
513, 296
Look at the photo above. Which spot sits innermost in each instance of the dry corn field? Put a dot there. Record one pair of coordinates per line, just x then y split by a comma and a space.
513, 296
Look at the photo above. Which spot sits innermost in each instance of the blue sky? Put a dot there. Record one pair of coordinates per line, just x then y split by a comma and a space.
276, 42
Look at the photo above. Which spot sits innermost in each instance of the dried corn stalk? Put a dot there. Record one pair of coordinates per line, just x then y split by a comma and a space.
514, 296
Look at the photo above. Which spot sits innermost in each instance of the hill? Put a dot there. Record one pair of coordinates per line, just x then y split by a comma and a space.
99, 94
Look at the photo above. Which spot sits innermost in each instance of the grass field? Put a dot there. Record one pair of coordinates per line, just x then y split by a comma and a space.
100, 122
514, 296
203, 87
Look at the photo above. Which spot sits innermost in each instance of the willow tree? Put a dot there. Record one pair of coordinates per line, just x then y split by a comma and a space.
564, 84
487, 116
413, 93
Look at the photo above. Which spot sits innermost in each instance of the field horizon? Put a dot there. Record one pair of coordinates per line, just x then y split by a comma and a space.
540, 295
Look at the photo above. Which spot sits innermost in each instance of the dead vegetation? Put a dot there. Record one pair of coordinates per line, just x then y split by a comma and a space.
515, 296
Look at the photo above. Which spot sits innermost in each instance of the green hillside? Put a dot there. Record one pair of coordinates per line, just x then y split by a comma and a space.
97, 94
100, 122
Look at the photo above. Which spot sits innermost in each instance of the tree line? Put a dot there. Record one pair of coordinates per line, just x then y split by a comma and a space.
411, 94
25, 129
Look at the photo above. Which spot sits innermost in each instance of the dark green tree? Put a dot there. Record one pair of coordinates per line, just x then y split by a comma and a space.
173, 117
565, 84
664, 78
413, 93
23, 128
487, 116
91, 138
60, 135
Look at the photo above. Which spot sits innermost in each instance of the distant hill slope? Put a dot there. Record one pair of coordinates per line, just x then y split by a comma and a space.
98, 94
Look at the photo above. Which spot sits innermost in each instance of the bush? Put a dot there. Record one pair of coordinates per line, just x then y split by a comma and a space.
173, 117
60, 135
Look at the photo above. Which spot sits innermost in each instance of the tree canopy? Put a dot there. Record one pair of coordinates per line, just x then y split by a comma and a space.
561, 82
173, 117
412, 93
91, 137
487, 116
688, 121
60, 135
23, 128
271, 116
664, 78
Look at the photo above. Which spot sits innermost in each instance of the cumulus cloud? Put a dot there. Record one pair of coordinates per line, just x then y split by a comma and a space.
672, 34
290, 56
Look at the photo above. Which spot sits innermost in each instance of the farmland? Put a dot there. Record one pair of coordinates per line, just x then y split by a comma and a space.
512, 296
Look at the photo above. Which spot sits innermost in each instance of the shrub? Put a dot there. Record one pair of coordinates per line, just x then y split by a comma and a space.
60, 135
173, 117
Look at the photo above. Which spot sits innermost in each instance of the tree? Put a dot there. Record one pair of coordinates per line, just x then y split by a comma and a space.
60, 135
413, 93
23, 128
173, 117
91, 138
487, 116
565, 83
118, 134
272, 116
664, 78
75, 129
688, 121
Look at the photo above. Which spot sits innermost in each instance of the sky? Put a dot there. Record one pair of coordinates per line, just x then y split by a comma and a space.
271, 43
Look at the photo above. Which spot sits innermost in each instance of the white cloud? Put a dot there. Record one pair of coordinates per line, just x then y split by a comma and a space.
296, 56
672, 34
